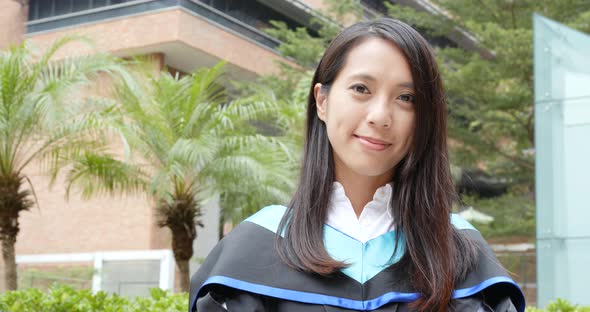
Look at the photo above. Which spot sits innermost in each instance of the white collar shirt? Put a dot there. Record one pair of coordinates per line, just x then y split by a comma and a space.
374, 221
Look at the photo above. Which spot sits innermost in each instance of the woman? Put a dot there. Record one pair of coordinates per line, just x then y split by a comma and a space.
370, 226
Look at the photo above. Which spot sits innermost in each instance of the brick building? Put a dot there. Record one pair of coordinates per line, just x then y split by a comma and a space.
112, 243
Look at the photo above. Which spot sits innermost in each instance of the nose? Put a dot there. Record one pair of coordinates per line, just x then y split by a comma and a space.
379, 114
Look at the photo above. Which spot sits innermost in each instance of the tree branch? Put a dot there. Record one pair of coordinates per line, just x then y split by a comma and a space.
513, 16
517, 160
520, 122
489, 10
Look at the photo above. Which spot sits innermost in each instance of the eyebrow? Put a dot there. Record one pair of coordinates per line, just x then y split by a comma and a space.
368, 77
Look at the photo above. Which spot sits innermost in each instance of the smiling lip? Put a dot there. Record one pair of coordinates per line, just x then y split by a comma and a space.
373, 144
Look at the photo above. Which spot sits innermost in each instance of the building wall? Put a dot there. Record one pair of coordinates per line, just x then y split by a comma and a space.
12, 20
129, 35
77, 225
89, 224
101, 223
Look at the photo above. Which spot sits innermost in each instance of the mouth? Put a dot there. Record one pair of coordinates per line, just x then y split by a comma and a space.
372, 143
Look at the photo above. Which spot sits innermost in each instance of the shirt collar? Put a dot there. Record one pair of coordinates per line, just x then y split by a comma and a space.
381, 199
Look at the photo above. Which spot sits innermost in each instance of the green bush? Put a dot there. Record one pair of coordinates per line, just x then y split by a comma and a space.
560, 305
62, 298
514, 215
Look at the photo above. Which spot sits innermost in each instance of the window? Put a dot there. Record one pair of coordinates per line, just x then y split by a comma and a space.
63, 6
81, 5
99, 3
45, 9
48, 8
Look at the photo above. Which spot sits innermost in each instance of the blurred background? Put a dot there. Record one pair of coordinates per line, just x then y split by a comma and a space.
135, 134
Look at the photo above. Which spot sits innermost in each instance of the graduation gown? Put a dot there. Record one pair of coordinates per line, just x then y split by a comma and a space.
244, 273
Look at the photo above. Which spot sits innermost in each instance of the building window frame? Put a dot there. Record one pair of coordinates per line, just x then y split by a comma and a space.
165, 256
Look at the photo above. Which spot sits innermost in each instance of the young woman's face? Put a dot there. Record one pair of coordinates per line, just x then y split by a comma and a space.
369, 110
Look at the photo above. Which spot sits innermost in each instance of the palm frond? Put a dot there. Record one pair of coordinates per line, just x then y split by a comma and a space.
185, 133
103, 174
82, 132
194, 152
44, 117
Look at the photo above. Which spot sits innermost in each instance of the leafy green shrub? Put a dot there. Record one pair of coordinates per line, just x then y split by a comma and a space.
560, 305
61, 298
514, 215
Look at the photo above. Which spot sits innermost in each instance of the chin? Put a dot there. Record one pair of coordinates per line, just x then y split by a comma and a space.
370, 170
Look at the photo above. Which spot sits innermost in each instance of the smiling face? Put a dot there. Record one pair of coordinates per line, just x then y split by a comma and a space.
369, 110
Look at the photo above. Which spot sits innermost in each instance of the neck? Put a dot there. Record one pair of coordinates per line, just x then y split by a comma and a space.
359, 188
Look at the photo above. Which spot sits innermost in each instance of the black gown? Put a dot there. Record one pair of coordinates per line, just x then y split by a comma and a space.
244, 273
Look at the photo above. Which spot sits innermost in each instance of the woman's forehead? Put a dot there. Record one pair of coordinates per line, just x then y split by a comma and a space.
377, 59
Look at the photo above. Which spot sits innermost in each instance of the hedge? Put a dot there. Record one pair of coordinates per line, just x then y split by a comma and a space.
560, 305
61, 298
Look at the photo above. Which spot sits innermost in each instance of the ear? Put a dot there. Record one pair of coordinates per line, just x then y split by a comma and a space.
321, 103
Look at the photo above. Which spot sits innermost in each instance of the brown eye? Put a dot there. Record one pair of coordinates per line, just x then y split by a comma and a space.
407, 98
360, 89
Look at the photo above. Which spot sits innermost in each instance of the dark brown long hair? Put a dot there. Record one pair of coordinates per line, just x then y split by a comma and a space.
436, 255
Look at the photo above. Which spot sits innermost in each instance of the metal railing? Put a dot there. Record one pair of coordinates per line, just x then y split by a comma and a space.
522, 266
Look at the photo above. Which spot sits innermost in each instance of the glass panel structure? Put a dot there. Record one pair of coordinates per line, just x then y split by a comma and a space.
562, 158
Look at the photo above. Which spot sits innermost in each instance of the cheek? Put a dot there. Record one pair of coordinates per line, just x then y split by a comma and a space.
405, 130
408, 131
343, 121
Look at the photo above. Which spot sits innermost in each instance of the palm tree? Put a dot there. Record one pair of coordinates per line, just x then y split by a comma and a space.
188, 143
39, 115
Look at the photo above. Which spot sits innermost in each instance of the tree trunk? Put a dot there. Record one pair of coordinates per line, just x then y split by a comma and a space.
181, 217
182, 247
9, 262
12, 202
183, 268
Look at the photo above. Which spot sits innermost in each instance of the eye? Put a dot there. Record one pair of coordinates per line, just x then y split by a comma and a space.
407, 98
359, 88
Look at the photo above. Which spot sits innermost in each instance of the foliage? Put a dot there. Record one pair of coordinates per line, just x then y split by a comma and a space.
514, 215
483, 92
560, 305
41, 111
183, 142
186, 136
298, 44
343, 11
490, 88
61, 298
303, 46
490, 93
288, 90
